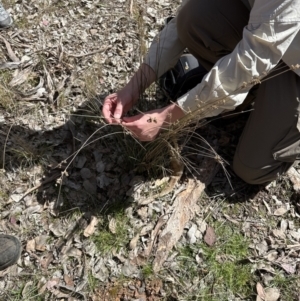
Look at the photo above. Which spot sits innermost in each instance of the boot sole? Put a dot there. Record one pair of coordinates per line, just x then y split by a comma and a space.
16, 257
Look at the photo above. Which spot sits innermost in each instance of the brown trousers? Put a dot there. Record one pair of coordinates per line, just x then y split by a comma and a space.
270, 142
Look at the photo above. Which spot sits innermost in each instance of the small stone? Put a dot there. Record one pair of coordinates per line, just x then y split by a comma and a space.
80, 161
97, 155
85, 173
191, 237
100, 166
93, 31
90, 187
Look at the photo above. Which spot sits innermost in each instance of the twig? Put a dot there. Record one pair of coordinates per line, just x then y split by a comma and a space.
131, 8
11, 54
86, 54
54, 177
4, 148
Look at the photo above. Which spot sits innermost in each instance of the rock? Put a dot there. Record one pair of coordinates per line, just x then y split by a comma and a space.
93, 31
191, 237
90, 186
80, 161
85, 173
100, 166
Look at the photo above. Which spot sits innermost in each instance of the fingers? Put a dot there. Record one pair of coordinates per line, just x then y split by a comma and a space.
118, 111
109, 108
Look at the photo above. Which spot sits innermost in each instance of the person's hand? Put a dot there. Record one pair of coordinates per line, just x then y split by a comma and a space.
146, 127
116, 105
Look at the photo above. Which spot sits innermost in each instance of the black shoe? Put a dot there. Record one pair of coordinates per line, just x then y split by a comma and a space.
5, 19
10, 250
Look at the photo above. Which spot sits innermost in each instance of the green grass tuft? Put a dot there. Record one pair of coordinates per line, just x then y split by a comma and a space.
106, 241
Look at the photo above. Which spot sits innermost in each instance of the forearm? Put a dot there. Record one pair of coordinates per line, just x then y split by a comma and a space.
140, 81
229, 81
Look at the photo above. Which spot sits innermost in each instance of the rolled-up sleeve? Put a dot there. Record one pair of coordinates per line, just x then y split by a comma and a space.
272, 27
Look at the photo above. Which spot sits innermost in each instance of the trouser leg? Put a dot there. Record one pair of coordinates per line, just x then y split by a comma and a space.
270, 141
211, 28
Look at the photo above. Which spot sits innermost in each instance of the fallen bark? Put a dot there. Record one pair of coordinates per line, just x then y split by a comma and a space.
184, 210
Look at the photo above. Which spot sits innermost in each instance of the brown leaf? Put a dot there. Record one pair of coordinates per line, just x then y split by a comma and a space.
272, 294
30, 246
278, 233
280, 211
210, 236
289, 268
90, 229
133, 242
41, 242
52, 283
112, 226
68, 280
260, 291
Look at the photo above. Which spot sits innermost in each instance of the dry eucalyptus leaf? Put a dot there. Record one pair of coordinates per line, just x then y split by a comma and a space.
90, 229
73, 252
278, 233
284, 225
291, 269
262, 247
56, 229
202, 225
210, 236
52, 283
68, 280
133, 242
272, 255
41, 242
112, 225
272, 294
27, 289
30, 246
280, 211
295, 178
260, 291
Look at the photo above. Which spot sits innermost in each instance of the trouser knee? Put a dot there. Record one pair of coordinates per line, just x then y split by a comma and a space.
257, 176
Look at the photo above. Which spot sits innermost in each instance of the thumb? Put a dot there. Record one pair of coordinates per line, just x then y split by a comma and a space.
118, 111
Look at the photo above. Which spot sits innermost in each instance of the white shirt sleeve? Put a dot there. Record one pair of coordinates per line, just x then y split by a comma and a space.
269, 33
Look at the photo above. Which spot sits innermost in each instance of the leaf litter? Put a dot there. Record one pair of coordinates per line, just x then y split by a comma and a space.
56, 67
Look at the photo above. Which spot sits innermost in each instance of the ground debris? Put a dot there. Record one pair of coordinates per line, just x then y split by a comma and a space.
70, 192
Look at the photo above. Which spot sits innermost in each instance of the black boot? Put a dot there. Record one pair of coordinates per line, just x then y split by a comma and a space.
10, 250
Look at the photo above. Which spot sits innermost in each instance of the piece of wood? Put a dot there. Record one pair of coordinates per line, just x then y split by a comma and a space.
185, 206
184, 210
